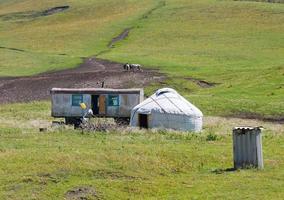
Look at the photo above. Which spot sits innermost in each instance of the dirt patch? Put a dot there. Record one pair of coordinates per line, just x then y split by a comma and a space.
120, 37
12, 49
222, 171
105, 174
30, 15
150, 12
249, 115
82, 192
124, 34
45, 178
54, 10
264, 1
202, 83
90, 74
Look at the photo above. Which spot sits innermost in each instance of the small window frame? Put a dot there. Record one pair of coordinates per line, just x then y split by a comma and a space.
77, 99
111, 100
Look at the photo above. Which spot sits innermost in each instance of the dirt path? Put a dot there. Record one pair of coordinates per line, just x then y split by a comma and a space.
89, 74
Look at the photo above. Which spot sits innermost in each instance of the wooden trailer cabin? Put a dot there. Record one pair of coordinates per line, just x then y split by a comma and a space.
104, 102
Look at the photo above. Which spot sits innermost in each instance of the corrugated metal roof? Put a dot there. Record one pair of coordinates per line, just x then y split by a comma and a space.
247, 127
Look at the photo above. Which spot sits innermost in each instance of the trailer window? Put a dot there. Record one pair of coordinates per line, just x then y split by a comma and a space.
113, 100
77, 99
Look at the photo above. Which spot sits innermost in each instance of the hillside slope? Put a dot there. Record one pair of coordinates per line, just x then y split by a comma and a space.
225, 56
234, 48
34, 41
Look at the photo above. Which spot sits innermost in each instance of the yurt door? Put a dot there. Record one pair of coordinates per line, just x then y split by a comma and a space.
143, 121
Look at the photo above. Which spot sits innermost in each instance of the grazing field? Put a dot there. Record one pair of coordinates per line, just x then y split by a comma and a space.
126, 164
234, 46
225, 56
31, 43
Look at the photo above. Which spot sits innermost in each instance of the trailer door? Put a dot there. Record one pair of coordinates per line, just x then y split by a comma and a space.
102, 105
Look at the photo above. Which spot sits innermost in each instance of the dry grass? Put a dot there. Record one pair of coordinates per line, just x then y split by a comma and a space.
37, 114
222, 125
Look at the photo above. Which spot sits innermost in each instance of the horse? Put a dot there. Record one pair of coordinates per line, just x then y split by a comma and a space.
132, 67
135, 67
126, 66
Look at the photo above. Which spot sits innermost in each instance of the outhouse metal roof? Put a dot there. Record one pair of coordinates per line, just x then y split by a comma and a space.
248, 128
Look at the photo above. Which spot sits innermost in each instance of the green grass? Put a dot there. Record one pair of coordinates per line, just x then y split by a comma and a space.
237, 44
131, 164
59, 41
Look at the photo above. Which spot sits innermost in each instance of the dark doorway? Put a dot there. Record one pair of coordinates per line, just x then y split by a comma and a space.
143, 120
95, 104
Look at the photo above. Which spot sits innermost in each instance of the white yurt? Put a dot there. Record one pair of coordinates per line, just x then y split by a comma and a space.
166, 109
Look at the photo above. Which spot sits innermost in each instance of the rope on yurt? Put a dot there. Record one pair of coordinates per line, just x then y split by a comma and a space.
161, 108
176, 107
158, 105
174, 104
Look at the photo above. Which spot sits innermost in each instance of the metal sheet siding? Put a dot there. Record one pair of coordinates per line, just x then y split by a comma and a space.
247, 147
62, 105
62, 102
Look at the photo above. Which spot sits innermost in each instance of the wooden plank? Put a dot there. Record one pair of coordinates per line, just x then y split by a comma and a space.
102, 105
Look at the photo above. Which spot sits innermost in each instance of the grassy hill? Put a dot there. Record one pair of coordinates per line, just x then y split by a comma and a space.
59, 40
225, 56
237, 45
234, 47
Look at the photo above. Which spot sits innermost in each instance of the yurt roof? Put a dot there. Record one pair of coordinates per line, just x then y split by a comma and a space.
167, 100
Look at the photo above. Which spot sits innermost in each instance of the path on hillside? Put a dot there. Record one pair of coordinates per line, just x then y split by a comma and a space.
89, 74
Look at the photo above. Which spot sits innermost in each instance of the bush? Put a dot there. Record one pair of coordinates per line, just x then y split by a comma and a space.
212, 137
